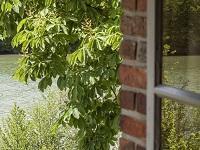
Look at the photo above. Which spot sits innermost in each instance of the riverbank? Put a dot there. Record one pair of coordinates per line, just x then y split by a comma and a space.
6, 48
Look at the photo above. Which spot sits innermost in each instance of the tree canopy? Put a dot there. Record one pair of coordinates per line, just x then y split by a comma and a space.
76, 43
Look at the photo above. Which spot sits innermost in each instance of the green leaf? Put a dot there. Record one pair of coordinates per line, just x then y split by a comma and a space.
25, 46
20, 25
61, 83
76, 113
17, 3
74, 94
8, 6
80, 56
48, 3
1, 37
71, 18
50, 26
43, 84
16, 9
21, 12
64, 28
3, 6
44, 12
68, 114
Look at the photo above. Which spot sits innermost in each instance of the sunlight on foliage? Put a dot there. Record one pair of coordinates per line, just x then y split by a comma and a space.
75, 42
33, 130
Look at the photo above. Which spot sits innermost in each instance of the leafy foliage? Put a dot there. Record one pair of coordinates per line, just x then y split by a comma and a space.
22, 130
182, 14
75, 42
180, 126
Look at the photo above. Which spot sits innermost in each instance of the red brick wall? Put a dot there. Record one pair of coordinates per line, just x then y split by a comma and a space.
133, 75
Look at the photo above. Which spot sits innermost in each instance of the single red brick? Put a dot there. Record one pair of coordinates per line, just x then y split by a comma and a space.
128, 49
139, 26
129, 4
135, 26
126, 145
127, 100
126, 25
141, 103
140, 148
142, 5
133, 127
134, 77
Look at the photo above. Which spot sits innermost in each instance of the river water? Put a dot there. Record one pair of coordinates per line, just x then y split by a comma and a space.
182, 70
12, 91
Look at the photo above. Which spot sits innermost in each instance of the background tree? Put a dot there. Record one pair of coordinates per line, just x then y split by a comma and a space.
181, 26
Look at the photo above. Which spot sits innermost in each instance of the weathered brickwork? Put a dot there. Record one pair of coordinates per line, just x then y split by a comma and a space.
142, 5
128, 49
141, 103
127, 100
129, 5
133, 75
133, 127
126, 145
133, 25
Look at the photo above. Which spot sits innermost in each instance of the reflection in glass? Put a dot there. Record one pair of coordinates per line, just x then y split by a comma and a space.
180, 126
181, 44
181, 69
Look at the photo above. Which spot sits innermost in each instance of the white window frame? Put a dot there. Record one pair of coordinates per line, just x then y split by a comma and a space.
155, 89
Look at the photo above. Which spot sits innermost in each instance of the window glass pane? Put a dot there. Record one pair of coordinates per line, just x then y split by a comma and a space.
180, 126
181, 44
